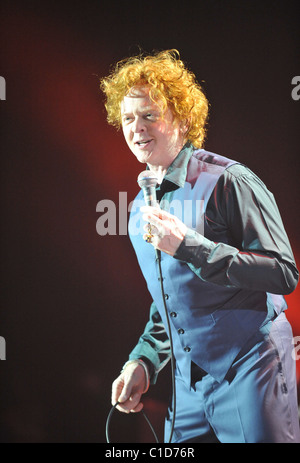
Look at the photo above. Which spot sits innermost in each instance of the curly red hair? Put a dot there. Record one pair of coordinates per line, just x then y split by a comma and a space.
171, 85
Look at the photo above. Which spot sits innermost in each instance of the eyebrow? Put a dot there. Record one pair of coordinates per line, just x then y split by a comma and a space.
146, 109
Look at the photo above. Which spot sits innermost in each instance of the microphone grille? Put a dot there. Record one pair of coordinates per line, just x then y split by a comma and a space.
147, 178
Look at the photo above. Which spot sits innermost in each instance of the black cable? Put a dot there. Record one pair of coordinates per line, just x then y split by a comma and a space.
158, 260
109, 419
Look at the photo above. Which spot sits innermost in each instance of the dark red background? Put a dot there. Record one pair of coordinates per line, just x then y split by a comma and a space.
73, 302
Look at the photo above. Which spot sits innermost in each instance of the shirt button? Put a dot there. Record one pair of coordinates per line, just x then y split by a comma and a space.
173, 314
187, 349
181, 331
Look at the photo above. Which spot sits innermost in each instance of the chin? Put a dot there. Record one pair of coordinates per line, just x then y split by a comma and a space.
143, 158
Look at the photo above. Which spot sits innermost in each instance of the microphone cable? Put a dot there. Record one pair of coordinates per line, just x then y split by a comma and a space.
109, 419
158, 260
147, 180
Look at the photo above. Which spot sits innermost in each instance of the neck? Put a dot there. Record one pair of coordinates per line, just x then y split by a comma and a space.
160, 172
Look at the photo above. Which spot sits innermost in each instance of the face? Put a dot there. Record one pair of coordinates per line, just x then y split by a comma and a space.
154, 139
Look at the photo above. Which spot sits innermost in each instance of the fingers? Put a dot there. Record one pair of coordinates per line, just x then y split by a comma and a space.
159, 223
128, 389
155, 216
126, 393
163, 230
152, 232
131, 405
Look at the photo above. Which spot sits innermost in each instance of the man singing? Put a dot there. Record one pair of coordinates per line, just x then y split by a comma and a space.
224, 270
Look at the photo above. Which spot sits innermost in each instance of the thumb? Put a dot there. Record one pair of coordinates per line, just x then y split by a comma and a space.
125, 393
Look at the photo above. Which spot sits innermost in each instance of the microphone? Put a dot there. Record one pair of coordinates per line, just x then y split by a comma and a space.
147, 181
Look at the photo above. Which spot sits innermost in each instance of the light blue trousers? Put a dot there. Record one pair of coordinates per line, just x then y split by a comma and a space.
256, 403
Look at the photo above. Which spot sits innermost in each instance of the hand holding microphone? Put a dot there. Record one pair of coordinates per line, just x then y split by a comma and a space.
163, 230
147, 181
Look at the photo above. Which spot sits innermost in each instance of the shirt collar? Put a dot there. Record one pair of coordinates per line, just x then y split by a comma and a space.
177, 171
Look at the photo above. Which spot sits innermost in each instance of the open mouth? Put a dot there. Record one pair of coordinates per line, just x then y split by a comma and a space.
143, 143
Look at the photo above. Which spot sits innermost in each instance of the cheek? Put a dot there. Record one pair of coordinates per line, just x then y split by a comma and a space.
169, 130
173, 136
126, 134
162, 134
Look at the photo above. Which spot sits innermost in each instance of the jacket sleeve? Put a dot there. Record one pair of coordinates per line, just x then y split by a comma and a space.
259, 256
154, 345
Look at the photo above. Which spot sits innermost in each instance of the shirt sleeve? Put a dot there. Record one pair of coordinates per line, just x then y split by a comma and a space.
154, 345
258, 256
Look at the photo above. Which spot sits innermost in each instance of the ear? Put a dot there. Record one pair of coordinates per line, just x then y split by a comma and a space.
184, 126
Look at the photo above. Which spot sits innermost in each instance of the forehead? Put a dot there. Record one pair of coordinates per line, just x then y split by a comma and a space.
138, 98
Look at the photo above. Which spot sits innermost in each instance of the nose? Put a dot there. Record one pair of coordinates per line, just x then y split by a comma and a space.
138, 125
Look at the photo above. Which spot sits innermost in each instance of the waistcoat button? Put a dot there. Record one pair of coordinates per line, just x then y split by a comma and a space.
181, 331
187, 349
173, 314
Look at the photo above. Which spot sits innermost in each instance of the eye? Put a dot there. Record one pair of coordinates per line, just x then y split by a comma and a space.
127, 119
151, 116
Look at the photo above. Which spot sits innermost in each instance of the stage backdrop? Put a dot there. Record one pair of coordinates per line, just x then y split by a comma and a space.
73, 303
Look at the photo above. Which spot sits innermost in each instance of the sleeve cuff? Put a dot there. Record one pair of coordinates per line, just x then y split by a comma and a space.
141, 354
194, 249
